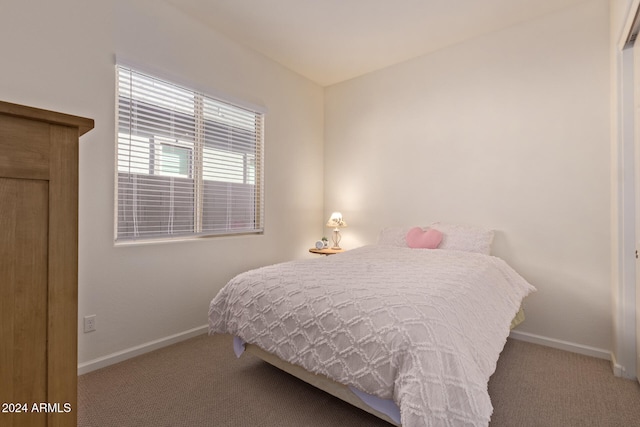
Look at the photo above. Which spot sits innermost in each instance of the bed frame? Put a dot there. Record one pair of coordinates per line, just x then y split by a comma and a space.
326, 384
330, 386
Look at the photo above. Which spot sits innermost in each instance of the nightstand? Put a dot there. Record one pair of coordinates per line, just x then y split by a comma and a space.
326, 251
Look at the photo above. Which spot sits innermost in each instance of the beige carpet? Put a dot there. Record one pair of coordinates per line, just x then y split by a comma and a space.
200, 382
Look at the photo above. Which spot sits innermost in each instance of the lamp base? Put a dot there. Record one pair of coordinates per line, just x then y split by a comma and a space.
336, 238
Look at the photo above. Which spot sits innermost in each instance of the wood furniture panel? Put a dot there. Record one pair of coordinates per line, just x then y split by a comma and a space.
23, 312
38, 265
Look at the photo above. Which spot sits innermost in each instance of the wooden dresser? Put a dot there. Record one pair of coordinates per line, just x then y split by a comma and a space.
38, 265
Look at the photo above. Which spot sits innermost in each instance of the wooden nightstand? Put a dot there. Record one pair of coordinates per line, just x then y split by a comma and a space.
326, 251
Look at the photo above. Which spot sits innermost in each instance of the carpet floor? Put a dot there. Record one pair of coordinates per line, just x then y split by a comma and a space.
200, 383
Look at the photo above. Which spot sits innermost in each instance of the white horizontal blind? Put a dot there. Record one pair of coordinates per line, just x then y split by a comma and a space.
187, 164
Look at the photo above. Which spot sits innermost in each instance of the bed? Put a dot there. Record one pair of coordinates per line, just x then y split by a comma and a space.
411, 335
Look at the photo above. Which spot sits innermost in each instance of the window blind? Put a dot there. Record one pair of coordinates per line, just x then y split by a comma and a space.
187, 163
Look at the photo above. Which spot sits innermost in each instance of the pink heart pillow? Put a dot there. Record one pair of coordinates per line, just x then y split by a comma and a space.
419, 238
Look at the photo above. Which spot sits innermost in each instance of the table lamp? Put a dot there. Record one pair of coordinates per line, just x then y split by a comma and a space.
336, 222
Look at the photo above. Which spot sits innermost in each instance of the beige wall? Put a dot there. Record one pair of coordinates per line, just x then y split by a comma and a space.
509, 130
60, 56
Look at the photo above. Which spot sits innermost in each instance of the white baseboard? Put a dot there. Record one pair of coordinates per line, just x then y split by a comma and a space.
562, 345
621, 370
618, 370
120, 356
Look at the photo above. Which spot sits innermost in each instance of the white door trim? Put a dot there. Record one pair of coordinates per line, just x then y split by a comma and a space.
625, 167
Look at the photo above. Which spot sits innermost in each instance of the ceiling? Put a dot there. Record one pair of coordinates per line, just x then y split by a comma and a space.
329, 41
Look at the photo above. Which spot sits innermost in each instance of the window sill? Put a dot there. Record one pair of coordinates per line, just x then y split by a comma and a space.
183, 239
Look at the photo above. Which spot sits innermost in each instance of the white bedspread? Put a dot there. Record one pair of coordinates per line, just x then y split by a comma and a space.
423, 327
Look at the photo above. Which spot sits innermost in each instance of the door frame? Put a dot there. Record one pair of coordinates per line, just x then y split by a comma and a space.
626, 198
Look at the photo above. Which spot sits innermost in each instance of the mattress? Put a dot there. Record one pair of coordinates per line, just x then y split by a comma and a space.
421, 327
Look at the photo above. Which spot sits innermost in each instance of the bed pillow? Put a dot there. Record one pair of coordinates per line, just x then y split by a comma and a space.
393, 236
464, 237
418, 238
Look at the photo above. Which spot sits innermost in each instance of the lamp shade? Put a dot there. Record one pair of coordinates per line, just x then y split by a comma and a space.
336, 221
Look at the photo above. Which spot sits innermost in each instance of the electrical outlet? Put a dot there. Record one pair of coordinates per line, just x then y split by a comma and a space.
90, 323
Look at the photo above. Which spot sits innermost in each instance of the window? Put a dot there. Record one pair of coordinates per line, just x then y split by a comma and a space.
187, 164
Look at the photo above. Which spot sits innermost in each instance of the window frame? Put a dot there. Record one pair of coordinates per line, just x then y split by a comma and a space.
225, 154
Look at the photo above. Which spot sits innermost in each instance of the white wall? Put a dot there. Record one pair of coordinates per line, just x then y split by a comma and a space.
509, 130
60, 56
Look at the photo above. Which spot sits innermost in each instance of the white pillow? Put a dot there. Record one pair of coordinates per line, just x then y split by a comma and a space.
394, 236
456, 237
466, 238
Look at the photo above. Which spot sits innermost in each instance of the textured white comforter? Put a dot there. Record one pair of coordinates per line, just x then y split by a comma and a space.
422, 327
